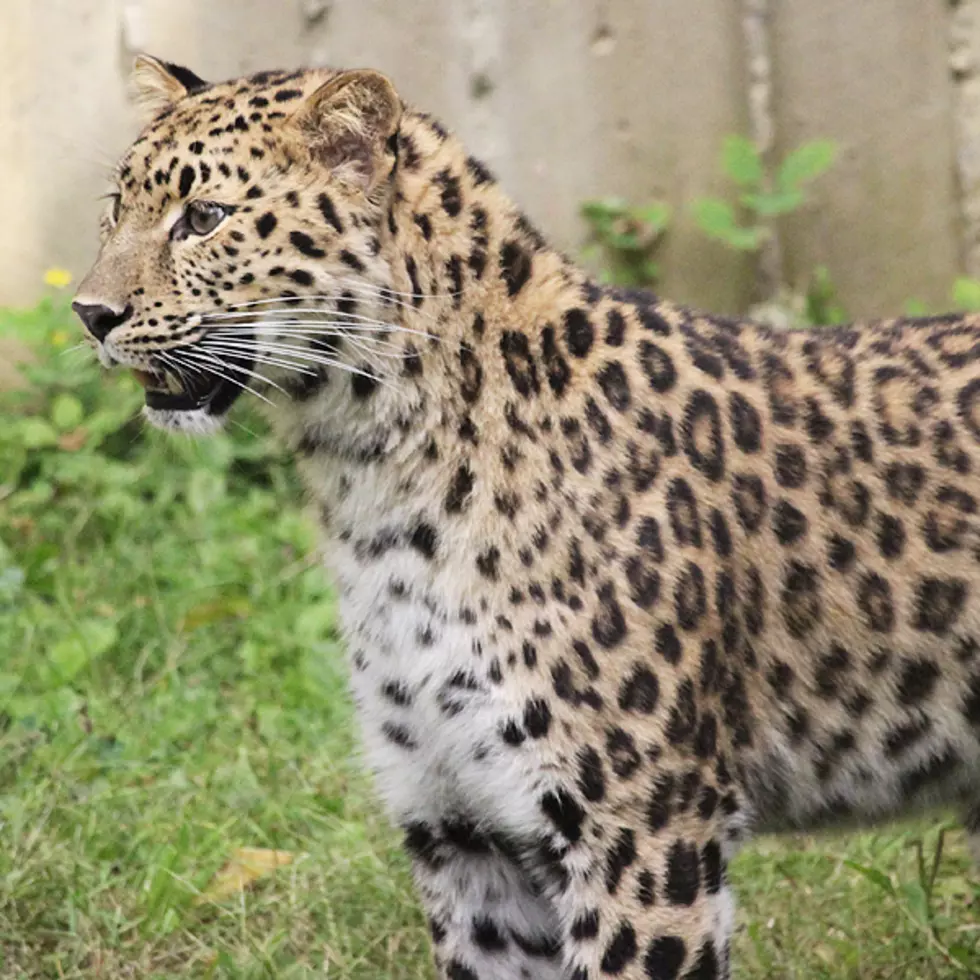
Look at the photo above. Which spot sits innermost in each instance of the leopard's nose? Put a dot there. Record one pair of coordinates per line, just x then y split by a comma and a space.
100, 319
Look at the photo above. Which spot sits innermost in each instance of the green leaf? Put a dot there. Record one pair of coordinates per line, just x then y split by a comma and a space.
917, 900
315, 622
966, 294
66, 412
603, 210
36, 433
916, 307
613, 207
873, 875
717, 219
42, 709
742, 162
650, 271
90, 640
655, 215
8, 685
806, 163
623, 241
821, 306
770, 204
963, 955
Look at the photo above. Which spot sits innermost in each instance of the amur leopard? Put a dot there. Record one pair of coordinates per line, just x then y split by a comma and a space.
621, 584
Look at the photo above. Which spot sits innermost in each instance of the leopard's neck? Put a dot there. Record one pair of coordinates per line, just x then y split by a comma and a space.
462, 277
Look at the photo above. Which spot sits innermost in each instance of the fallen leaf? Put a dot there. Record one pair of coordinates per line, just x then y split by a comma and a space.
246, 865
206, 613
72, 441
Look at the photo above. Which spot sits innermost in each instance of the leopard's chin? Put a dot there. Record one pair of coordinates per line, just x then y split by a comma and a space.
193, 421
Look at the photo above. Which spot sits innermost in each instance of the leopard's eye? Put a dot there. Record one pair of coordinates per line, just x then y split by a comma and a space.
199, 218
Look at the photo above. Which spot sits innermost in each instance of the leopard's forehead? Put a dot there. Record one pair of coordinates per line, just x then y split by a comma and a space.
226, 130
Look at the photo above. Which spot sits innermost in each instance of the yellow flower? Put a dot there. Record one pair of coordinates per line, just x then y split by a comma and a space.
59, 278
59, 338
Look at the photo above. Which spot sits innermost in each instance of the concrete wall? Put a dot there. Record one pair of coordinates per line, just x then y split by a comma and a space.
565, 99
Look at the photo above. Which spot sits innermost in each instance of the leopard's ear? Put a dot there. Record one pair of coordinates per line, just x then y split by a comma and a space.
347, 123
157, 85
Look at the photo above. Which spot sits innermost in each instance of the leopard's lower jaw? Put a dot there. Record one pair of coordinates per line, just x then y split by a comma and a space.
195, 421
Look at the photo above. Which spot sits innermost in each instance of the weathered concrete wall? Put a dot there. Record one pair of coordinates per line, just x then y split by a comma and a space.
565, 99
965, 67
874, 77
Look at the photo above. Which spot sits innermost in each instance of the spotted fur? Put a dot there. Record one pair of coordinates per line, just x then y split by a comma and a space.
621, 583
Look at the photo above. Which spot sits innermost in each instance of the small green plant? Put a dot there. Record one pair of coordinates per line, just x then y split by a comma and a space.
963, 296
966, 294
920, 900
623, 239
762, 201
815, 305
821, 308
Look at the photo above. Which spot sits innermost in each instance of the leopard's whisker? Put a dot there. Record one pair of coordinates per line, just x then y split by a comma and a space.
354, 284
208, 366
383, 348
329, 314
323, 325
178, 361
369, 286
294, 364
316, 326
361, 291
293, 358
236, 368
329, 317
378, 348
80, 347
326, 361
404, 301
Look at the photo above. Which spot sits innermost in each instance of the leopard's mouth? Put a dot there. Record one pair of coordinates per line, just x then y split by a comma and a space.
194, 390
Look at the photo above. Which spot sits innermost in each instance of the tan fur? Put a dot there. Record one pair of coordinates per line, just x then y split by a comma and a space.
154, 88
621, 583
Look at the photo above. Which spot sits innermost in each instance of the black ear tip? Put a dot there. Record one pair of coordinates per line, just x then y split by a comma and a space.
193, 83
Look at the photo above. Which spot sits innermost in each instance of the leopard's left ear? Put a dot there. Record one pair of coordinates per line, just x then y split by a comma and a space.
157, 85
346, 125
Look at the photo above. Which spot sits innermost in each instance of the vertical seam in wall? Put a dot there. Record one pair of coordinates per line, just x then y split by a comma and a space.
757, 40
964, 67
480, 33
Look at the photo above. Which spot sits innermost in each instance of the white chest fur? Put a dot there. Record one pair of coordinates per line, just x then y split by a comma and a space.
430, 709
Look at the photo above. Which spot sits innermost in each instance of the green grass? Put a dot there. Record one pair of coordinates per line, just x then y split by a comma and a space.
172, 688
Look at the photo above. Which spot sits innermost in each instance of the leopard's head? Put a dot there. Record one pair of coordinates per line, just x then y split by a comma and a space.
241, 239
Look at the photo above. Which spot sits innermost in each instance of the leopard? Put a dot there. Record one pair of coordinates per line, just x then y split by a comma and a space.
621, 583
